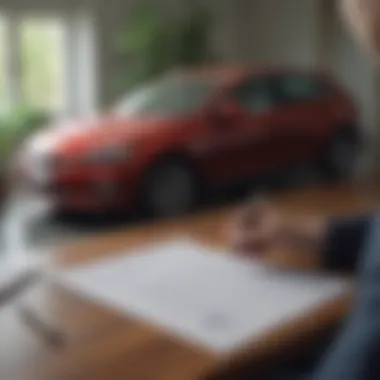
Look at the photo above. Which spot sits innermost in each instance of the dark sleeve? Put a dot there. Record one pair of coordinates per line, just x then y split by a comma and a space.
355, 353
344, 241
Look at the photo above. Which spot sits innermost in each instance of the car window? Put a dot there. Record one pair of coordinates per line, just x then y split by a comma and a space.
170, 96
298, 88
254, 96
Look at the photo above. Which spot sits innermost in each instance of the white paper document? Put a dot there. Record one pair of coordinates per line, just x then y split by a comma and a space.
199, 294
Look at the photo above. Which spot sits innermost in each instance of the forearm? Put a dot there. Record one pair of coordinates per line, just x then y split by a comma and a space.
354, 356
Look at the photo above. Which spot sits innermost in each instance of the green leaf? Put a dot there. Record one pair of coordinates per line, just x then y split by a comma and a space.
17, 124
154, 43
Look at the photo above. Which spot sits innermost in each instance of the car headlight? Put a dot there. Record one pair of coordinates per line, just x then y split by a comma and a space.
109, 155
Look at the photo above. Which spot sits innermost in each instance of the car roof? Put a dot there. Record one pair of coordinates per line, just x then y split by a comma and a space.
228, 74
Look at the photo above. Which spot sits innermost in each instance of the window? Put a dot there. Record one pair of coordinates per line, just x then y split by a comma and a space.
45, 62
172, 96
42, 63
299, 87
255, 96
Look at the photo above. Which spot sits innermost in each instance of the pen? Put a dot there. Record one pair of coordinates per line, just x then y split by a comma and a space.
52, 336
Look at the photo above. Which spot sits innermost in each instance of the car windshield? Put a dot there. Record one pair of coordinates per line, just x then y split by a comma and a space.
168, 97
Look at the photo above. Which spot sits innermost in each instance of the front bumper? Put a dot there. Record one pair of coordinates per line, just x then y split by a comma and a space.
83, 191
87, 197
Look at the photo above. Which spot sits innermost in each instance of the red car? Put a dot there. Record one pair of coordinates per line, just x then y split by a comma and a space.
165, 143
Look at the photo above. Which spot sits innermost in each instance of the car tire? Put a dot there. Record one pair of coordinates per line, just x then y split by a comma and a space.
171, 188
340, 159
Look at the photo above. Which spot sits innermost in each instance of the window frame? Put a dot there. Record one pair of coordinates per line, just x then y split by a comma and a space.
77, 98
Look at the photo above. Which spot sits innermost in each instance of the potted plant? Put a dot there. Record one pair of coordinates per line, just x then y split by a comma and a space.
156, 42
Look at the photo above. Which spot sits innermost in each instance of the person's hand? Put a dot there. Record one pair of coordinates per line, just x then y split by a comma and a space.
262, 231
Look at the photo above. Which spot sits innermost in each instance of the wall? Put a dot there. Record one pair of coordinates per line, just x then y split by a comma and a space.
355, 70
282, 32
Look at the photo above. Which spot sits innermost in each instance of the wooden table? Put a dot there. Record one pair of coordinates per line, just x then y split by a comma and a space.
104, 345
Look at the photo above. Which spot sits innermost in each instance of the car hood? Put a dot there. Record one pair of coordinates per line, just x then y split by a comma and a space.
77, 137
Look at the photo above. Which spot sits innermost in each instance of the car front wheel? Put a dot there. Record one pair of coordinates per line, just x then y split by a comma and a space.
170, 189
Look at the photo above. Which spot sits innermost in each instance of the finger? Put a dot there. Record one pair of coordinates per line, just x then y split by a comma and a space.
253, 237
253, 214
